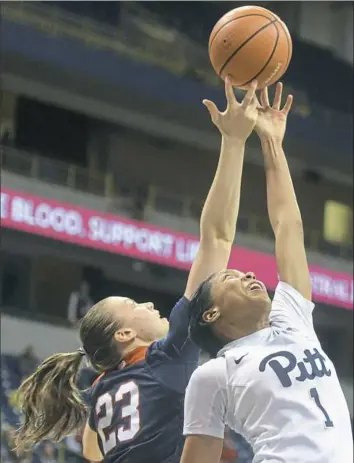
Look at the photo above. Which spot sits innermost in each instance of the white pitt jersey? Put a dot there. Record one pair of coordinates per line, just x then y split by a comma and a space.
277, 388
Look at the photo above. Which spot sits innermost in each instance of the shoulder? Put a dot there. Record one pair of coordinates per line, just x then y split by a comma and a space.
105, 382
211, 373
286, 294
291, 309
206, 400
97, 388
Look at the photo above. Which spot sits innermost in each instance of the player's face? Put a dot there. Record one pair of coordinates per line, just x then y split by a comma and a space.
139, 320
240, 301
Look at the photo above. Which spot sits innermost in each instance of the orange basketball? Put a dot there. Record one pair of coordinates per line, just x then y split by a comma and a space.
250, 43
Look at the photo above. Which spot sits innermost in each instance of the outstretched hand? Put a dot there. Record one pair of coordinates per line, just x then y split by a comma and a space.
271, 121
239, 119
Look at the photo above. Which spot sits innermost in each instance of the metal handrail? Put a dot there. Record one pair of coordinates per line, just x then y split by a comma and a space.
155, 199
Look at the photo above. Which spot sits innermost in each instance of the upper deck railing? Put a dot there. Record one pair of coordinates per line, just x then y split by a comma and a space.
135, 203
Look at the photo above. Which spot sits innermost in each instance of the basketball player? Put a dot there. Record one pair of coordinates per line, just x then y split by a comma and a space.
136, 413
271, 382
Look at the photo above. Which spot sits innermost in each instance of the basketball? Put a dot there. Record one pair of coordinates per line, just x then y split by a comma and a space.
250, 43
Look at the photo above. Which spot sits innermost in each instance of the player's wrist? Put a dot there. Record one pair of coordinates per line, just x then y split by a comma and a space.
234, 140
271, 139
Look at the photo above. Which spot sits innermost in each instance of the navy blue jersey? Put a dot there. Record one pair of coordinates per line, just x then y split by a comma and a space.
137, 411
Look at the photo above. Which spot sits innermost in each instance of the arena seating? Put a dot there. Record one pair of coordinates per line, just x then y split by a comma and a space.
196, 20
10, 420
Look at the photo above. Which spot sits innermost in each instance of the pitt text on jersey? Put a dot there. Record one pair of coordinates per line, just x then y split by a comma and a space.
308, 368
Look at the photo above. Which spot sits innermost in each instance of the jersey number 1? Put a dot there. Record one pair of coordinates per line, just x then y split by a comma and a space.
130, 411
314, 395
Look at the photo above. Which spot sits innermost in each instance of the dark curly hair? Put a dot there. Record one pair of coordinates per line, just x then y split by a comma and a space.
200, 332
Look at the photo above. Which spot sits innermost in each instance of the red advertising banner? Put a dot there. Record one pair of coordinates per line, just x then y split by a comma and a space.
143, 241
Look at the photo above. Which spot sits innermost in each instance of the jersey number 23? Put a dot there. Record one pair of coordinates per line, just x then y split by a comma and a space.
130, 413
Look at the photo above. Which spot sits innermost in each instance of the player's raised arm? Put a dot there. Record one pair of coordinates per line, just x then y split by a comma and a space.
283, 210
217, 231
219, 215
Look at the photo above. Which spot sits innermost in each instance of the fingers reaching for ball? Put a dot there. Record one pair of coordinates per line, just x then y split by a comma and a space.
277, 99
288, 104
231, 97
272, 119
265, 98
277, 96
213, 110
229, 92
250, 95
239, 119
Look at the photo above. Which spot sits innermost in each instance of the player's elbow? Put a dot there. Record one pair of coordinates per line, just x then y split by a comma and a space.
90, 455
215, 239
219, 230
289, 224
86, 454
90, 448
217, 248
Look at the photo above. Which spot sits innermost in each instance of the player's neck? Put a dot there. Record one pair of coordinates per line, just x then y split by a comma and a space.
136, 344
135, 356
263, 324
258, 327
238, 333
